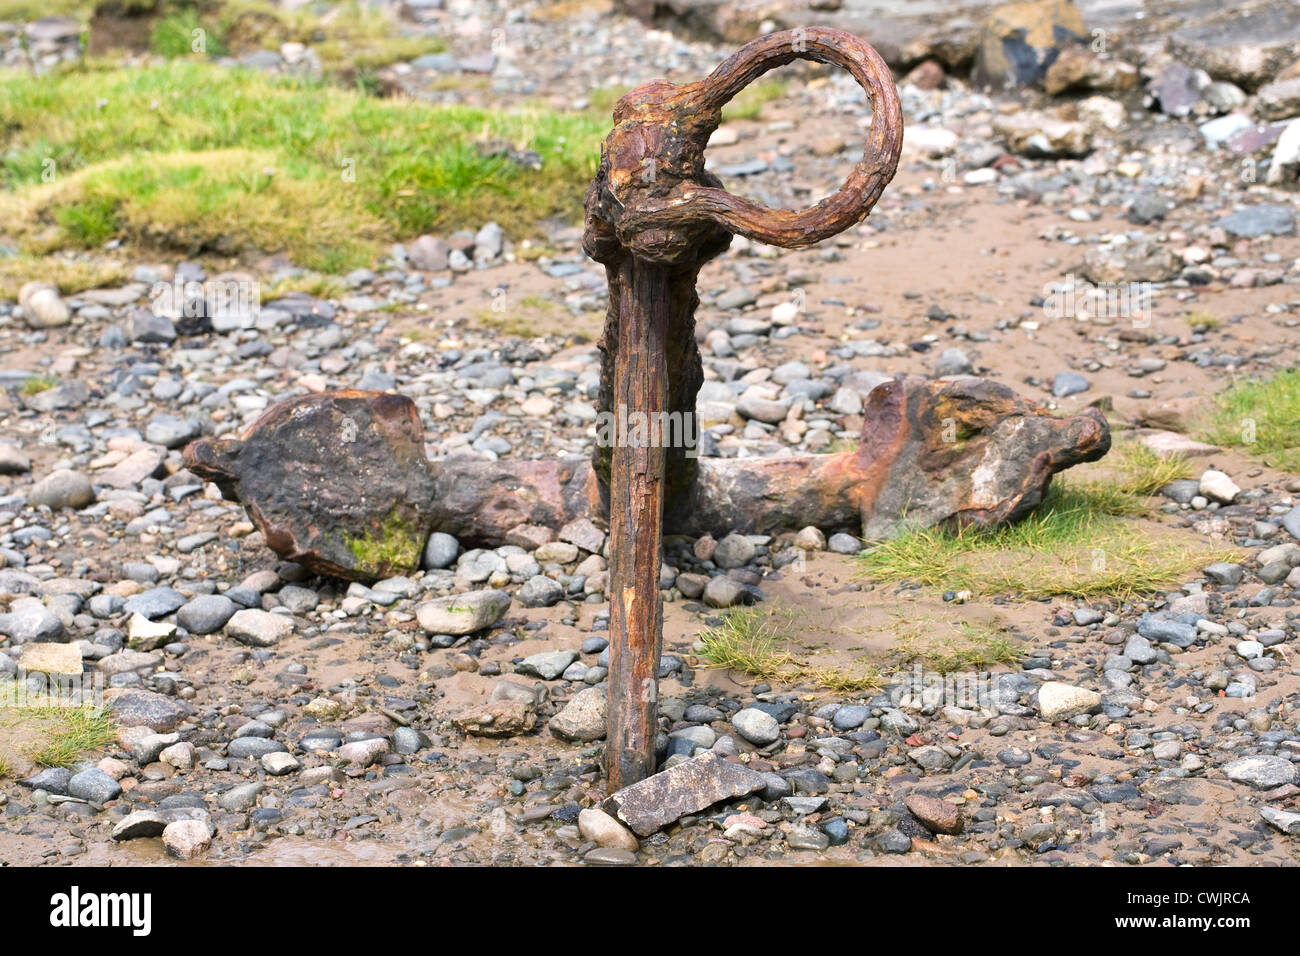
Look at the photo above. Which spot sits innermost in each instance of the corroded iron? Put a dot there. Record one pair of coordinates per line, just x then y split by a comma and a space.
654, 216
337, 482
961, 452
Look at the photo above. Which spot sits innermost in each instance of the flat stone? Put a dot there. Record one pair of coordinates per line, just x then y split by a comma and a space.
1285, 820
1264, 772
686, 787
1262, 220
1168, 444
548, 665
59, 660
140, 823
463, 613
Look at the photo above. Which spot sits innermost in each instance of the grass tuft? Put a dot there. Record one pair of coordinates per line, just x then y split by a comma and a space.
756, 642
1260, 415
1075, 544
37, 384
962, 646
52, 734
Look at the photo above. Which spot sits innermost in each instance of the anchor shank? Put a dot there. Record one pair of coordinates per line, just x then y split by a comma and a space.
636, 520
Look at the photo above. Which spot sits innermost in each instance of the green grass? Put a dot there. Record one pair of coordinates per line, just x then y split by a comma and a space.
52, 735
188, 158
70, 275
961, 646
1078, 543
23, 11
1136, 473
37, 384
174, 35
749, 102
1260, 415
757, 642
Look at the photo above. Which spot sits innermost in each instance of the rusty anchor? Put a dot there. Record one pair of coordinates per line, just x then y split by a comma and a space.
654, 217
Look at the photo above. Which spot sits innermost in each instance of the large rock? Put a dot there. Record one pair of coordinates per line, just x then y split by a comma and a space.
686, 787
1017, 43
336, 481
463, 613
1244, 44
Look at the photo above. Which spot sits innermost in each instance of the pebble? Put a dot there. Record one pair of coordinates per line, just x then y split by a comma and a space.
757, 727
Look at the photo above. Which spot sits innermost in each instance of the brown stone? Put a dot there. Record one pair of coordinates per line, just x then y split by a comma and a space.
497, 718
938, 816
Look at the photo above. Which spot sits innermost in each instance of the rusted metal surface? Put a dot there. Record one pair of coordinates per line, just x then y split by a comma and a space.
654, 216
921, 445
338, 482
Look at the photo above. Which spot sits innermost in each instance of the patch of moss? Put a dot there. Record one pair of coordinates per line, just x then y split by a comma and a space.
395, 549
